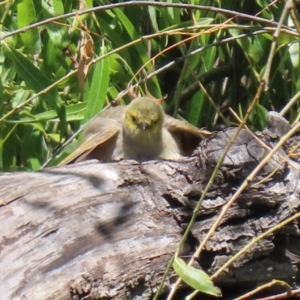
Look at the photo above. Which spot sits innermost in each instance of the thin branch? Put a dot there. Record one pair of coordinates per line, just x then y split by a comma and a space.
145, 3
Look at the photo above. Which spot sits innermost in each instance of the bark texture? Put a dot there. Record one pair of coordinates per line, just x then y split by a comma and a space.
107, 230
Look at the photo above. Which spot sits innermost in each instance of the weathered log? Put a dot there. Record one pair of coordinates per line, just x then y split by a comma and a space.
107, 230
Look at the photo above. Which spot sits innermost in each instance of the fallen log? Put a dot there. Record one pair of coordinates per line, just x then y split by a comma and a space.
97, 230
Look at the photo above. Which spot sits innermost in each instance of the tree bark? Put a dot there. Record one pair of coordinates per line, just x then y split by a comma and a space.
107, 230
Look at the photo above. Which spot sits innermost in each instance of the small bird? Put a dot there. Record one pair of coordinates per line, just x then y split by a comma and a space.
140, 131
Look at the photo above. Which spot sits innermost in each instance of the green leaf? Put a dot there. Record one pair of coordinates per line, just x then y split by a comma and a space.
198, 108
208, 60
58, 8
153, 16
260, 43
53, 7
4, 138
8, 147
174, 13
54, 137
33, 77
258, 117
294, 54
265, 11
130, 29
39, 127
57, 35
113, 92
32, 147
1, 94
96, 94
36, 80
116, 40
26, 15
51, 54
170, 16
246, 45
140, 48
56, 32
285, 39
195, 278
200, 21
20, 96
74, 112
34, 163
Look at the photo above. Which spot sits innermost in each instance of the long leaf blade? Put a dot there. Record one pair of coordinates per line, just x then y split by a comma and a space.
96, 94
26, 15
197, 279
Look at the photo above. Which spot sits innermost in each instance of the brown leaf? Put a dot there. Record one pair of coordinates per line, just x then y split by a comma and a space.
86, 58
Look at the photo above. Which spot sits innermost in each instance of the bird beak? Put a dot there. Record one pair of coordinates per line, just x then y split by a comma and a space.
144, 125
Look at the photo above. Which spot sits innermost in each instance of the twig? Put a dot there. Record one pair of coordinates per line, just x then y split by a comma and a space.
268, 285
139, 3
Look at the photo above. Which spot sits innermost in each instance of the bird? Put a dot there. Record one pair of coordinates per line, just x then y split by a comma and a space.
140, 131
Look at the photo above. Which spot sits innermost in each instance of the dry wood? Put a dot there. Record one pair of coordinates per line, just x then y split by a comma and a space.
107, 230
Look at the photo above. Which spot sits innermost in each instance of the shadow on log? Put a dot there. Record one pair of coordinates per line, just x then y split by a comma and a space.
107, 230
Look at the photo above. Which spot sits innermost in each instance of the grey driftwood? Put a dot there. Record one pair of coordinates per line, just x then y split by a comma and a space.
107, 230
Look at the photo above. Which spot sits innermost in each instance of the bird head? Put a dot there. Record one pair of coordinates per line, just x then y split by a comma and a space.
143, 118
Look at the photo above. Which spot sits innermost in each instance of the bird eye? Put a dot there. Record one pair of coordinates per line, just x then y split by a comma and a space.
155, 122
133, 118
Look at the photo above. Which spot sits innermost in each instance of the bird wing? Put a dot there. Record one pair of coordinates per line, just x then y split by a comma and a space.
116, 113
100, 137
186, 135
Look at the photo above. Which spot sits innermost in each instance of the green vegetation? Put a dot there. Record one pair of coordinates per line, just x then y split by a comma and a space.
67, 65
